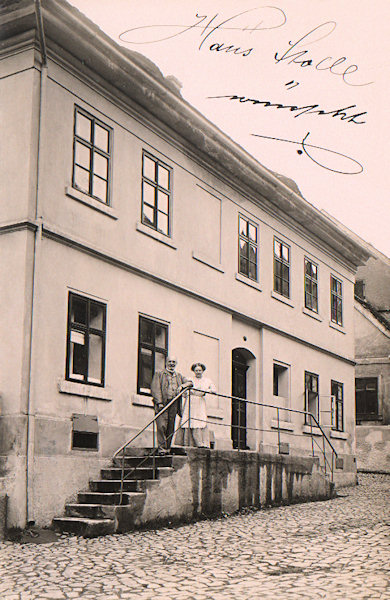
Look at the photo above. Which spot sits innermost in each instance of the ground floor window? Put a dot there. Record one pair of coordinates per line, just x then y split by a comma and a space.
337, 392
311, 397
366, 398
86, 340
152, 351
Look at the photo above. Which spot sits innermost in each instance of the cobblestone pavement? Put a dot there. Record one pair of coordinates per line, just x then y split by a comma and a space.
333, 549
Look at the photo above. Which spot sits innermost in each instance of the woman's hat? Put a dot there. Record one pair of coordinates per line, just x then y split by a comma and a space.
198, 364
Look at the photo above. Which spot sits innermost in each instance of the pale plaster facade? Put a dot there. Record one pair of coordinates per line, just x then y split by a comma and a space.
56, 239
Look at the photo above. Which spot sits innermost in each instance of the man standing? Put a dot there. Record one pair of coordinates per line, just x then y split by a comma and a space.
166, 385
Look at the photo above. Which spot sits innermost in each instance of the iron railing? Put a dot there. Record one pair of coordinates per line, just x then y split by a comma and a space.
324, 446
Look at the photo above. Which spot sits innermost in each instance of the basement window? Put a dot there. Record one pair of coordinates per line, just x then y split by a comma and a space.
85, 432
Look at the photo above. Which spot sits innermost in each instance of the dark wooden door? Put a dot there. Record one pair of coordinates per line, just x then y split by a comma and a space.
238, 407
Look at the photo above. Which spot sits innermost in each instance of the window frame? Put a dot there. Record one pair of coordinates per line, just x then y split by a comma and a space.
157, 188
284, 263
87, 331
315, 376
247, 240
337, 409
152, 347
94, 150
309, 279
336, 299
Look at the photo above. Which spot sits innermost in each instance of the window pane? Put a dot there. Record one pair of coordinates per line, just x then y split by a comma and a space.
148, 215
81, 179
161, 336
285, 288
162, 202
99, 188
101, 138
314, 271
149, 168
79, 311
146, 331
244, 265
285, 272
307, 267
100, 165
82, 155
159, 361
243, 227
148, 191
286, 253
243, 248
277, 268
162, 224
252, 232
96, 316
252, 271
77, 360
163, 177
95, 358
83, 127
145, 369
253, 253
277, 248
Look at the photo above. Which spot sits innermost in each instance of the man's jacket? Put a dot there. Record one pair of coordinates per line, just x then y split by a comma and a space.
159, 388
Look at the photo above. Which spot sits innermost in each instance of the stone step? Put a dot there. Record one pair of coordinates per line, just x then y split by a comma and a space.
99, 511
114, 485
175, 451
84, 526
102, 498
136, 473
144, 461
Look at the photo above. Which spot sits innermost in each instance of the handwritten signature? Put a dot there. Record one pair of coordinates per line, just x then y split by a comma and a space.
301, 110
355, 165
271, 17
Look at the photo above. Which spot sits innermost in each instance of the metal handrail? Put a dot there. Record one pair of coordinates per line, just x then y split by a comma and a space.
189, 386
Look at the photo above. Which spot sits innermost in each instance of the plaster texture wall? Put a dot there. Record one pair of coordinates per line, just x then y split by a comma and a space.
373, 448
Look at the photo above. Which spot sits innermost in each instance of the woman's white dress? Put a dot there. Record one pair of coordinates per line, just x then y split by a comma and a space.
194, 417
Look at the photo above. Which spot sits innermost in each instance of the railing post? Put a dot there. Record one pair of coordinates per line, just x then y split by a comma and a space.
122, 476
154, 450
277, 414
311, 433
324, 451
189, 419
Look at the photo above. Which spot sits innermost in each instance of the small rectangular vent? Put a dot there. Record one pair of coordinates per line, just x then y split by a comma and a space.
85, 432
284, 448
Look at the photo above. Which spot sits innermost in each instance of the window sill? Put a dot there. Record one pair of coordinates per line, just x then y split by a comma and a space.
207, 261
91, 202
141, 400
339, 435
159, 237
247, 281
337, 327
313, 430
286, 425
311, 313
282, 299
85, 390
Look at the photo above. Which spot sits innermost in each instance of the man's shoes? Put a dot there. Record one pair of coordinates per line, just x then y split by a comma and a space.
162, 452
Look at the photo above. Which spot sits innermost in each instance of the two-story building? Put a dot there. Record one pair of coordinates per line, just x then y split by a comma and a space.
131, 227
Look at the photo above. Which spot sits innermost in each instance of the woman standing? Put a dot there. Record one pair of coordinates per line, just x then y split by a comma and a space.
194, 430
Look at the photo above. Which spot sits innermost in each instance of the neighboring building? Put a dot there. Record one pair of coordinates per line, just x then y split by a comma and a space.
131, 227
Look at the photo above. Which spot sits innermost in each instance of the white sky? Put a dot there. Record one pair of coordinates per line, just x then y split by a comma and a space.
358, 31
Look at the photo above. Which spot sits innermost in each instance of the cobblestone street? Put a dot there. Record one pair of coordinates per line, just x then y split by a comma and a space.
334, 549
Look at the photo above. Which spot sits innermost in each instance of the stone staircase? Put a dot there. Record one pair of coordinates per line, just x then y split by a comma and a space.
98, 511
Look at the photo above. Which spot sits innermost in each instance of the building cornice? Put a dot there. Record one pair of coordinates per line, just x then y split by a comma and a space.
138, 79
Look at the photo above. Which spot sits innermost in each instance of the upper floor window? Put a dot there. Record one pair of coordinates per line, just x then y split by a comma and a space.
311, 285
91, 156
152, 351
312, 398
247, 262
360, 289
156, 194
281, 268
86, 340
336, 300
337, 392
367, 406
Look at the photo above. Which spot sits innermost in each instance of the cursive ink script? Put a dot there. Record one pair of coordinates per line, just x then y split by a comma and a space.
354, 167
291, 55
264, 17
313, 109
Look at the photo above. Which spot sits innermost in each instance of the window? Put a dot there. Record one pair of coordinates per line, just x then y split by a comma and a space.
280, 380
156, 194
247, 241
281, 268
360, 290
311, 397
91, 156
311, 285
367, 398
86, 340
152, 351
336, 300
337, 392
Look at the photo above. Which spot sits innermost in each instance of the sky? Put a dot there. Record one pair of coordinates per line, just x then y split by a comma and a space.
243, 64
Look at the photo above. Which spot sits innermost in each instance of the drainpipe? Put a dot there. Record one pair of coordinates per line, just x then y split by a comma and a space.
30, 453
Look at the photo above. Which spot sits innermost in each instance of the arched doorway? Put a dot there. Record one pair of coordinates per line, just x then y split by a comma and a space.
241, 359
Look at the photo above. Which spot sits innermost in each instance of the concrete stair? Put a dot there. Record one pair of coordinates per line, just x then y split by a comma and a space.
96, 510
